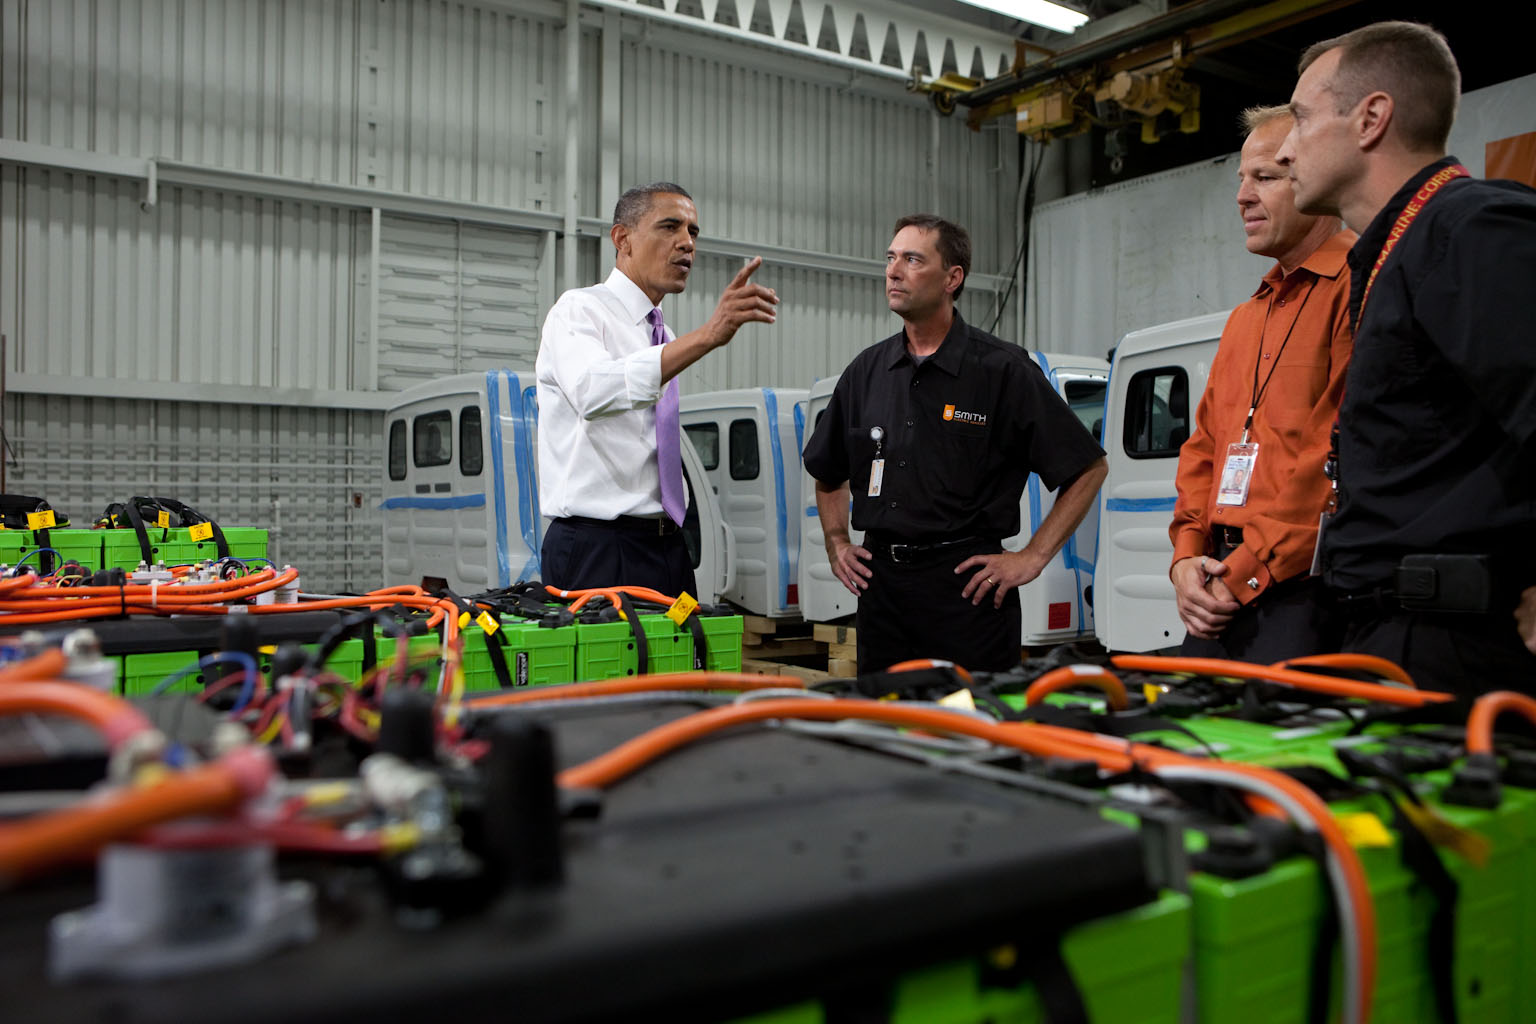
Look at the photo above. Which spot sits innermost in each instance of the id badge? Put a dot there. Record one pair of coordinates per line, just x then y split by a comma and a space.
1317, 549
1237, 474
877, 464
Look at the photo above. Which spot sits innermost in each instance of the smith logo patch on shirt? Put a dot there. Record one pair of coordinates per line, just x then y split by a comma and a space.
961, 416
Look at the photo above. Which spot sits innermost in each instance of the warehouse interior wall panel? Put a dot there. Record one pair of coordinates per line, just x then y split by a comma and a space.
312, 476
1488, 115
807, 165
455, 297
459, 102
1163, 247
183, 81
201, 288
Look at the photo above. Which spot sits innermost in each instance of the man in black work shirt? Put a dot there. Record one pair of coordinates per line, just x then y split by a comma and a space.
935, 431
1435, 533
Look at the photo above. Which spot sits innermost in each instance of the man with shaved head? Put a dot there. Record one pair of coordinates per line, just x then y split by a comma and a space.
1435, 531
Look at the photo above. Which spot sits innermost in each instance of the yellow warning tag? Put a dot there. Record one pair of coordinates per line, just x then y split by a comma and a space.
961, 699
40, 520
488, 623
201, 531
1469, 845
1365, 830
682, 608
163, 519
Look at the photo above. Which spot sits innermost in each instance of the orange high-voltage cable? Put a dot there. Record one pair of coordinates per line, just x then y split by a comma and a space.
1078, 675
1331, 685
1486, 709
35, 844
1364, 662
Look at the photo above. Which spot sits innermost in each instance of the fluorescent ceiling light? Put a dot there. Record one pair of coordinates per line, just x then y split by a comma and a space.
1037, 12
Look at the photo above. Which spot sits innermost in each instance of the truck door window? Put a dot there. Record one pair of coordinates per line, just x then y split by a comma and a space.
397, 450
1086, 399
743, 441
471, 451
432, 439
1156, 413
706, 441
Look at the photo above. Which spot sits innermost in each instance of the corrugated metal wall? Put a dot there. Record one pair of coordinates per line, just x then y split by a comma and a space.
257, 278
202, 288
454, 297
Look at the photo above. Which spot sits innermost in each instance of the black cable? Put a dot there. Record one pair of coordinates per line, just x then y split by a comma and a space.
1021, 257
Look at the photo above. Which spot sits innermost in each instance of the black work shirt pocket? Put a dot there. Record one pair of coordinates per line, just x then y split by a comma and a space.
960, 460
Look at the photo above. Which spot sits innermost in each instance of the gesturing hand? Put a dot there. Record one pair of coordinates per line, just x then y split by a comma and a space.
742, 302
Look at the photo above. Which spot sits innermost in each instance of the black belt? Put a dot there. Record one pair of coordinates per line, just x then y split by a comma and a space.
1225, 540
662, 527
902, 553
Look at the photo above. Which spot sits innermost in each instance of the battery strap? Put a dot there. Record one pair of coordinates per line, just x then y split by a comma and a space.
494, 642
1041, 963
700, 645
136, 520
370, 646
191, 516
1419, 857
642, 648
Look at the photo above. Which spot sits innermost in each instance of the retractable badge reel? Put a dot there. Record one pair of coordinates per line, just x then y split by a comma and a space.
876, 465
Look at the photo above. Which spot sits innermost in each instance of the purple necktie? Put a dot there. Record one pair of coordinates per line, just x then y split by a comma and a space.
669, 456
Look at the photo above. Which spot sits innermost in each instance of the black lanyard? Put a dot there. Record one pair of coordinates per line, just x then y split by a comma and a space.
1257, 394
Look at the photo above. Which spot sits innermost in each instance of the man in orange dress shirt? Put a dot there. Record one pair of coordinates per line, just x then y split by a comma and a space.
1242, 553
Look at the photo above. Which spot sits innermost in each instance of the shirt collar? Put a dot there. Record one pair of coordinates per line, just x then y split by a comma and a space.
1327, 260
948, 356
634, 301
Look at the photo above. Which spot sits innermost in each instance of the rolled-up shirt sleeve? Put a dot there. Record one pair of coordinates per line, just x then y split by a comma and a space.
596, 382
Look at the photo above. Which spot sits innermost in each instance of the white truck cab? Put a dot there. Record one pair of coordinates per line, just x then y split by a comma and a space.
461, 493
749, 441
822, 597
1056, 606
1155, 383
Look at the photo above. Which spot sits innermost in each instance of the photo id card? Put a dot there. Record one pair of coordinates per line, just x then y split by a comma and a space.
1237, 474
876, 471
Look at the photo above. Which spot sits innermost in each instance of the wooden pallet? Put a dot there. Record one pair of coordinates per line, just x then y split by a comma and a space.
842, 648
793, 647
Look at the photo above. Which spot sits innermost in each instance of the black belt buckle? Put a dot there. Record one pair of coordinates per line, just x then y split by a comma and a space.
903, 554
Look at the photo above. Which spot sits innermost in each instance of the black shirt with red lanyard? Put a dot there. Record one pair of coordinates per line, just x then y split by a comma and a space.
1437, 431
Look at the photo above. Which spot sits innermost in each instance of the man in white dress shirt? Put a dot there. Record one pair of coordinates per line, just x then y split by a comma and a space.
610, 476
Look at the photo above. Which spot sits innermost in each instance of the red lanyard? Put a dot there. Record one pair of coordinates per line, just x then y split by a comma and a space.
1415, 205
